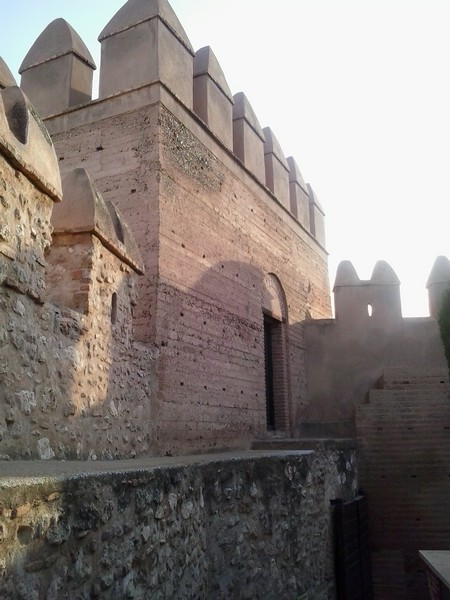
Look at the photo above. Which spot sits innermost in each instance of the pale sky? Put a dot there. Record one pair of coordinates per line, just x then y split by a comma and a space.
358, 91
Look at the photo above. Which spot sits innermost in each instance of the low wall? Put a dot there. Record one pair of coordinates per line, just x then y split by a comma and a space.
253, 525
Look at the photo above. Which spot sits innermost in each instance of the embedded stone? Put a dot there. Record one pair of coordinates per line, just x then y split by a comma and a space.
44, 449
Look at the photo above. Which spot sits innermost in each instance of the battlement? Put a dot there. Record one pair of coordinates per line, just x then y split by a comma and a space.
213, 208
24, 139
438, 283
360, 302
377, 300
144, 45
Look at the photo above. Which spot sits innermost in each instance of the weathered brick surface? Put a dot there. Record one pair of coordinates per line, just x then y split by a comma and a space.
121, 155
208, 234
254, 526
72, 383
404, 440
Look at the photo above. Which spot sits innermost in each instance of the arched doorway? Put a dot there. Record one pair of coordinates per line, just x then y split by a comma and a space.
274, 309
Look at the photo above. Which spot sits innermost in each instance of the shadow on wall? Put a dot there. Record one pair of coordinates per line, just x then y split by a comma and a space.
253, 527
346, 356
213, 369
73, 382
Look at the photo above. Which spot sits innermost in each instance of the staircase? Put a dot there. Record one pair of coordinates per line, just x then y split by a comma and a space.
403, 434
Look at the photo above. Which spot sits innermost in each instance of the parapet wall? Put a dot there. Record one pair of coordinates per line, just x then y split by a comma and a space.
144, 44
345, 356
248, 526
66, 340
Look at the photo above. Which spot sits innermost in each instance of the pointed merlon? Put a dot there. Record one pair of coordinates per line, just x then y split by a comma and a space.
440, 273
298, 194
313, 198
243, 110
213, 101
438, 285
83, 210
6, 77
57, 72
346, 275
295, 174
272, 146
316, 217
277, 168
135, 12
143, 44
126, 237
57, 39
206, 63
26, 143
384, 274
248, 137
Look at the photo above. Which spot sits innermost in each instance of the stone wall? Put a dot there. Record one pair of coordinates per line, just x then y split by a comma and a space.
247, 526
73, 381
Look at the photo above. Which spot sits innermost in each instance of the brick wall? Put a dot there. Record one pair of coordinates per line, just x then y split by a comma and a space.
209, 233
404, 439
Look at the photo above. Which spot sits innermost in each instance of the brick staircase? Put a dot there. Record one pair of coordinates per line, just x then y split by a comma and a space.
403, 436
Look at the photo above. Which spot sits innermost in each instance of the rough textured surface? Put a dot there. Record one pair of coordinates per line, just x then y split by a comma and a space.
404, 440
73, 383
253, 527
212, 238
208, 241
345, 356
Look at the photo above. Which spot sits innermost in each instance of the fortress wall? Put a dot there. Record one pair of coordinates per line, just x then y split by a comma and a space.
254, 525
121, 155
62, 371
219, 240
205, 201
345, 356
210, 224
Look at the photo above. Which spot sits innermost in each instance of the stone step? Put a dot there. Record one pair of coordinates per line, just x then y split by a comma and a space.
426, 395
302, 443
404, 377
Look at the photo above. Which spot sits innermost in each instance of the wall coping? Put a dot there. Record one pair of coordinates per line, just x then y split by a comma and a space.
34, 472
438, 561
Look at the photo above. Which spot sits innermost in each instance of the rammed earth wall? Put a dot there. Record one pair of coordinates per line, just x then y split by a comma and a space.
250, 526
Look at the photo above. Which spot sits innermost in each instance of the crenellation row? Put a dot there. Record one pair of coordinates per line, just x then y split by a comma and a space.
378, 299
144, 43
